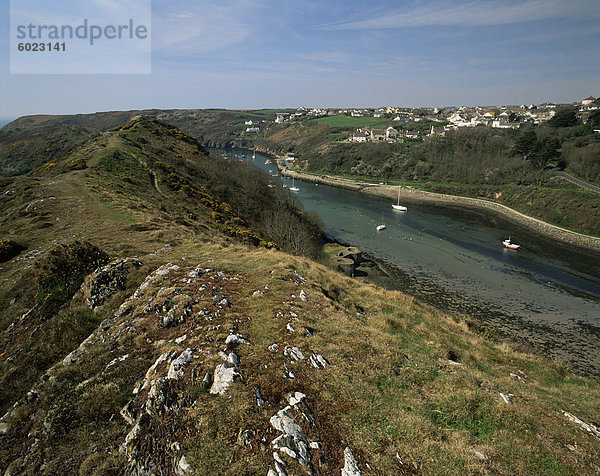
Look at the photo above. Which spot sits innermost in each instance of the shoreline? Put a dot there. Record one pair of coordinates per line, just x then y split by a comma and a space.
575, 350
412, 195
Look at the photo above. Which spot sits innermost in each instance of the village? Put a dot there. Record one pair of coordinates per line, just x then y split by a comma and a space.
401, 124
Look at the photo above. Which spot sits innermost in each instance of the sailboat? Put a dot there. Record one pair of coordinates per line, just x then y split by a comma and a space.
293, 188
382, 226
254, 153
511, 246
397, 206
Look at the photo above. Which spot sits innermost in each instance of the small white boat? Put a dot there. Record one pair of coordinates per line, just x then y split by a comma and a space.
397, 206
254, 154
382, 226
293, 188
267, 162
509, 245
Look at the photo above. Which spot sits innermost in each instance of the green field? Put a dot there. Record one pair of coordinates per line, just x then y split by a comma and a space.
354, 122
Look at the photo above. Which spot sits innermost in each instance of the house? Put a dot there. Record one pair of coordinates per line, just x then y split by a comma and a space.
391, 133
437, 131
360, 136
281, 117
378, 135
411, 134
587, 101
250, 123
252, 129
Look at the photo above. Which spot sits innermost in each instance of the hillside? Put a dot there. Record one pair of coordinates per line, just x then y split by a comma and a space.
494, 164
151, 327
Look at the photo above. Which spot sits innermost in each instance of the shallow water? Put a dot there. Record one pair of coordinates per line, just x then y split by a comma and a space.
550, 288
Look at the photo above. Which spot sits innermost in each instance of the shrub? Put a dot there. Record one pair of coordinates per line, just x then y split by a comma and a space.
62, 271
9, 249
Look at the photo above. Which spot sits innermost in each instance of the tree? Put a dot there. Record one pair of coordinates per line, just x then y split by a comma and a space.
566, 117
526, 143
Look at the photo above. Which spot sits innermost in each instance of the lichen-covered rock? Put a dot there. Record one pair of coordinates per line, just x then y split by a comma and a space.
318, 361
176, 368
292, 441
294, 353
224, 376
159, 397
350, 467
235, 339
107, 281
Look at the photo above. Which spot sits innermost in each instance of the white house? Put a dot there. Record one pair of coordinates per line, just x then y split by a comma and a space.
253, 129
360, 136
391, 133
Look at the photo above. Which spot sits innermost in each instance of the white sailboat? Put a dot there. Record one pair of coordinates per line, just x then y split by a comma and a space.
293, 188
254, 153
397, 206
382, 226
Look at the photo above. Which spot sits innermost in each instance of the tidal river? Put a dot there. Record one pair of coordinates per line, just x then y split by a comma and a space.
545, 294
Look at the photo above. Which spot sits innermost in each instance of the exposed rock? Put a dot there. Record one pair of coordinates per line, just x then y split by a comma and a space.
116, 360
292, 441
152, 369
277, 470
224, 376
183, 467
350, 467
293, 352
299, 278
107, 281
176, 368
233, 359
259, 401
4, 423
126, 413
159, 397
235, 339
199, 271
589, 427
318, 361
507, 398
243, 438
206, 381
451, 362
273, 347
303, 296
290, 328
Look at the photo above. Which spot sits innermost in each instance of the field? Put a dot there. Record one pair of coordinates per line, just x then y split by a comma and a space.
355, 122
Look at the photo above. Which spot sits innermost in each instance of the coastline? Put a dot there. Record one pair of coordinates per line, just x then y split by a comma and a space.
412, 195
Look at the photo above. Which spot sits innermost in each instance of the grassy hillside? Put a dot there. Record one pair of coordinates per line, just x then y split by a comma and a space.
130, 190
127, 282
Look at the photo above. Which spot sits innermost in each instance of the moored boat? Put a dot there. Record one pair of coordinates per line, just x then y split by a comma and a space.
509, 245
397, 206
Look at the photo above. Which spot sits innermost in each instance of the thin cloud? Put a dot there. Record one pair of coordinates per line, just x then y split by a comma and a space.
475, 13
182, 28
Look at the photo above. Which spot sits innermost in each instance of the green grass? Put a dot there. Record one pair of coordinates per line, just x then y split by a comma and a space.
355, 122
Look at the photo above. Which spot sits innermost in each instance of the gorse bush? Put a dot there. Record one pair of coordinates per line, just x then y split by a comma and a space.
9, 249
62, 271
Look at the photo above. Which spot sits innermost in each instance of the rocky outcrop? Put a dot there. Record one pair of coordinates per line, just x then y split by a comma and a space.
107, 281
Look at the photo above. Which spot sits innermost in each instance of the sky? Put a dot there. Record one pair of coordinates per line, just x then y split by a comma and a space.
249, 54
